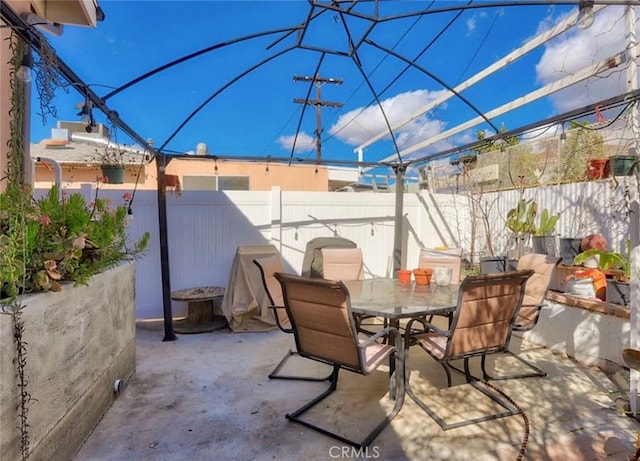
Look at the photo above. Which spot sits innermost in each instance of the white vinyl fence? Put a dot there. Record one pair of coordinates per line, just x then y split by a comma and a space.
205, 228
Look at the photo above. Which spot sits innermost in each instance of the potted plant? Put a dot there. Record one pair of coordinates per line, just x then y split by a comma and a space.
543, 241
112, 163
59, 238
521, 222
617, 267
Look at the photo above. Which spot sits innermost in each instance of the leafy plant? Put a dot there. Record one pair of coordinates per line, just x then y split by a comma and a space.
580, 146
609, 260
546, 223
46, 241
521, 219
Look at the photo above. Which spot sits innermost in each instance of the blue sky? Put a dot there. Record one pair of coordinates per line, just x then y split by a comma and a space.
256, 115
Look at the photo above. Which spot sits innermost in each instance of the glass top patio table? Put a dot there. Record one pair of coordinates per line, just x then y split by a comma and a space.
393, 300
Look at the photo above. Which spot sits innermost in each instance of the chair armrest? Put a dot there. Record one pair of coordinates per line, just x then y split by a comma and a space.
533, 305
427, 326
275, 314
381, 333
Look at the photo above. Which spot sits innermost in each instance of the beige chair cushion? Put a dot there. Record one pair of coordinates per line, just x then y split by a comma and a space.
483, 319
373, 354
324, 327
343, 264
451, 257
536, 287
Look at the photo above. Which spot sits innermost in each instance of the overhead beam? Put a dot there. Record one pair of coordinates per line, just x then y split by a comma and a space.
531, 45
583, 74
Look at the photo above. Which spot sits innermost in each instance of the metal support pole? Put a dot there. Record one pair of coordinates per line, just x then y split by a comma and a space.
27, 163
634, 217
169, 335
399, 219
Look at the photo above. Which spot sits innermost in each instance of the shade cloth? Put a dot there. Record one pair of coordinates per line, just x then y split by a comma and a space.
245, 303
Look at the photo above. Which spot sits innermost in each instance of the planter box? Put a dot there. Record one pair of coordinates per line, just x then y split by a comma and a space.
79, 341
545, 245
560, 276
592, 332
569, 249
491, 265
618, 292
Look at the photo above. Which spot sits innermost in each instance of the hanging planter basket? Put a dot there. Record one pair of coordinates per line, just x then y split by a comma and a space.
113, 174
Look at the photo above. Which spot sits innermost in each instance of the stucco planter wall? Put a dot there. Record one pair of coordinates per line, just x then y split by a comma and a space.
592, 332
78, 342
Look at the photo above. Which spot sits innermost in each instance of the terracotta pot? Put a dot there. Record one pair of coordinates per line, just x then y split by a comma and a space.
404, 276
422, 276
171, 180
597, 168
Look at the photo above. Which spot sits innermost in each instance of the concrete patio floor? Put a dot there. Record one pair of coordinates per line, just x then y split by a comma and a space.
208, 397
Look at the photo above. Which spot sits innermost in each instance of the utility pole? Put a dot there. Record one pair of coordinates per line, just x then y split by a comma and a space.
318, 103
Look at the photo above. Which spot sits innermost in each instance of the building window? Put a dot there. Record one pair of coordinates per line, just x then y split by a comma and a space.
233, 183
215, 182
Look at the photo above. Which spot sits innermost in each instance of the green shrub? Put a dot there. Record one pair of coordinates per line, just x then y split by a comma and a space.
49, 240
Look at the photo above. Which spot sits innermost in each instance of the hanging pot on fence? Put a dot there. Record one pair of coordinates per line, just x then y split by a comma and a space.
597, 168
621, 165
113, 174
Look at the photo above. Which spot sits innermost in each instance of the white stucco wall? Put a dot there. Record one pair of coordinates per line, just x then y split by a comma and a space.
590, 337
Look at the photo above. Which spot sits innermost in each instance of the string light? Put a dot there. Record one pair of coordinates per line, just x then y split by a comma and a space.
585, 16
129, 218
24, 72
86, 114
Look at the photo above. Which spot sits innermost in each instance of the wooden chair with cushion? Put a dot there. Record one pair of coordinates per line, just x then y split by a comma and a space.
324, 330
480, 325
535, 293
268, 266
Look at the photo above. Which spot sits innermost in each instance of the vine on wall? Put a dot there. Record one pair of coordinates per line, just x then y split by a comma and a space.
15, 143
14, 176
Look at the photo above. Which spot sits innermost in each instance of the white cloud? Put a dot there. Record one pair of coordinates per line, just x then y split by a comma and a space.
579, 48
304, 142
471, 25
361, 124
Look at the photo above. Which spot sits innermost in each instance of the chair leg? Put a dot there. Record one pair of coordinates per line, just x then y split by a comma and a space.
537, 372
511, 410
295, 416
274, 374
